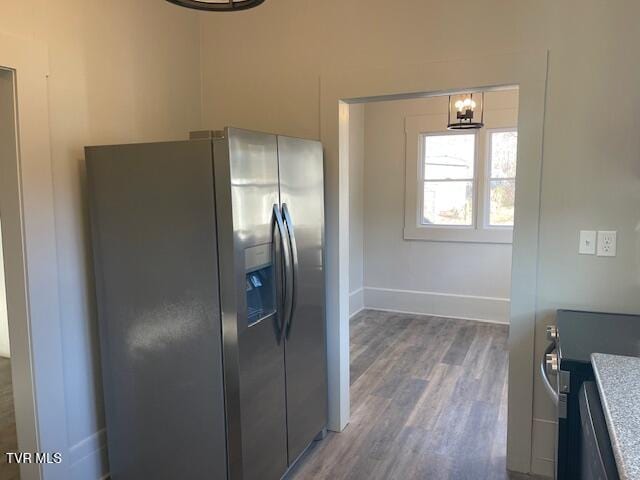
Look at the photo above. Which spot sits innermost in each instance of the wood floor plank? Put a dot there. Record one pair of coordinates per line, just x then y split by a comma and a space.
381, 370
436, 341
414, 458
429, 401
384, 335
460, 345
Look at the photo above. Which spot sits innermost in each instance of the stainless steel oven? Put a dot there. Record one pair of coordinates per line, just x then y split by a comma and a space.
597, 459
566, 365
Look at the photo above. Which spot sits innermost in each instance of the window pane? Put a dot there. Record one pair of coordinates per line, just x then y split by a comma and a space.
448, 203
504, 153
449, 156
502, 197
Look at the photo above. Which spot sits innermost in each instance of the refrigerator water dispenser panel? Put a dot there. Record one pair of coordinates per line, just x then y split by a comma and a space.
260, 283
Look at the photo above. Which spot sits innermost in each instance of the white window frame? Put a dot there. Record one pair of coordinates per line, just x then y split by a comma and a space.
416, 129
486, 209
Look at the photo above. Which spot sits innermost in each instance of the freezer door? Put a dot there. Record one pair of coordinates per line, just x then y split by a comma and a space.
156, 272
252, 270
302, 197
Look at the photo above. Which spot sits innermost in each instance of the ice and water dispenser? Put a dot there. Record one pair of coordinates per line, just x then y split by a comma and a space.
260, 283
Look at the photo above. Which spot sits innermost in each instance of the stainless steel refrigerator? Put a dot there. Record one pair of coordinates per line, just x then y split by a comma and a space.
208, 260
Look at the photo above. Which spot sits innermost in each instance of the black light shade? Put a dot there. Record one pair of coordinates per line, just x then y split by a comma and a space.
218, 5
465, 113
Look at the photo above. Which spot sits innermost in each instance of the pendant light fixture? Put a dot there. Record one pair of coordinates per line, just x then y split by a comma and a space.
218, 5
466, 111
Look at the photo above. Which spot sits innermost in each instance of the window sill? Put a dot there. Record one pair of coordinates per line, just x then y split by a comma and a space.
460, 234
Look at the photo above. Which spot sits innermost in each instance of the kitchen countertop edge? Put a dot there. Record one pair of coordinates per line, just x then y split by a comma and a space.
618, 380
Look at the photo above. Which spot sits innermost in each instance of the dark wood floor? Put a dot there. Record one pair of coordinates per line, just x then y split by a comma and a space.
428, 401
8, 441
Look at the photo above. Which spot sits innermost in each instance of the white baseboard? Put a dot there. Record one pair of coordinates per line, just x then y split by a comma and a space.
542, 467
543, 447
469, 307
356, 302
88, 458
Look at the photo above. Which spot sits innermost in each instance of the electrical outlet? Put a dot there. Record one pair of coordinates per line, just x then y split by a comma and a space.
587, 242
607, 243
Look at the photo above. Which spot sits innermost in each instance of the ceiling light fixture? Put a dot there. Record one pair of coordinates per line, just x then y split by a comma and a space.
218, 5
465, 111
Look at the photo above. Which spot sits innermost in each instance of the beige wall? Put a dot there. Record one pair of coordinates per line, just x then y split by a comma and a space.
270, 79
120, 71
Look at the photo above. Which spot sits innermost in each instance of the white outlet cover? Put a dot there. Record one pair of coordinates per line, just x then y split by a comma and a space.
607, 243
587, 242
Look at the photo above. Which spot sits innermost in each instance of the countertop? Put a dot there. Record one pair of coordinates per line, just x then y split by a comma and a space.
618, 380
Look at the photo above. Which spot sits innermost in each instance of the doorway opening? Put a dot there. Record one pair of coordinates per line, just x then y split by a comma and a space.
8, 432
431, 218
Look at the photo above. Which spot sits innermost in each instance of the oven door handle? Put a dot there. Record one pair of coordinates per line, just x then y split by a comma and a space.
545, 376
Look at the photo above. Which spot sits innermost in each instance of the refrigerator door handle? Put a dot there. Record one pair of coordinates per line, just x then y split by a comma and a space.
283, 301
553, 394
294, 271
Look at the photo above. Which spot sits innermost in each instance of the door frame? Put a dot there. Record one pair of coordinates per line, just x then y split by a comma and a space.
528, 71
31, 269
